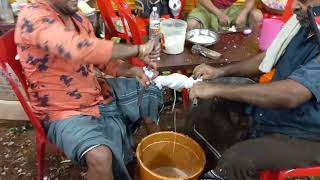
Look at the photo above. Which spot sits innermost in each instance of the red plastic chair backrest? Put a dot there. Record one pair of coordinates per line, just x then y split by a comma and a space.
125, 13
108, 14
8, 51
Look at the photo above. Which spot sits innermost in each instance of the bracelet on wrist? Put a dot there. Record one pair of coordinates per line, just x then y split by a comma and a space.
138, 50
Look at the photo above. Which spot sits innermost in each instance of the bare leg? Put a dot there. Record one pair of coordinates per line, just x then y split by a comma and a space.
193, 24
255, 19
99, 161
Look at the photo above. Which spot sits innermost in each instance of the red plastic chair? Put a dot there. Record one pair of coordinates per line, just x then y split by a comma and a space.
109, 16
126, 15
281, 175
7, 58
136, 25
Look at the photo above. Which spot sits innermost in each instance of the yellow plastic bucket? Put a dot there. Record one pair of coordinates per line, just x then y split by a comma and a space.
159, 158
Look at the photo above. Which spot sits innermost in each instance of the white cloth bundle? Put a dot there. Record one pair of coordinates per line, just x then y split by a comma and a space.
279, 44
175, 81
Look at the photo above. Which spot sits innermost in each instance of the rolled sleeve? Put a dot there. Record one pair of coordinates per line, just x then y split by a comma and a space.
308, 76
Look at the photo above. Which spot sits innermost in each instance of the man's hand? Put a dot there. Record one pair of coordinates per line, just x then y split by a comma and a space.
202, 90
241, 20
155, 53
223, 20
139, 74
149, 53
207, 72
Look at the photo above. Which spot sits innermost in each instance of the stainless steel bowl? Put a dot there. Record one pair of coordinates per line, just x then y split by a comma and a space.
202, 32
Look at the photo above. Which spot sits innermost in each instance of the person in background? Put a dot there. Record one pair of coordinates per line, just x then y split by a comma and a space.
61, 56
219, 15
286, 111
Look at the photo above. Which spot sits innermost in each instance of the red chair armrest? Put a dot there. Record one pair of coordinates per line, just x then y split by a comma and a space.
310, 171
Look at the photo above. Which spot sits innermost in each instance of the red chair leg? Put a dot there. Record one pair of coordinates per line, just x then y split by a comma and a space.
40, 158
185, 99
185, 93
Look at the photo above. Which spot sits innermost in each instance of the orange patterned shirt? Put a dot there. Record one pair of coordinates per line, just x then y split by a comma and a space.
60, 64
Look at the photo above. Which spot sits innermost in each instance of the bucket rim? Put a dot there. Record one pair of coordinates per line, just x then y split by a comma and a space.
178, 134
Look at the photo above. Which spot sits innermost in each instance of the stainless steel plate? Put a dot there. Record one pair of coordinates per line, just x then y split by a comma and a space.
212, 36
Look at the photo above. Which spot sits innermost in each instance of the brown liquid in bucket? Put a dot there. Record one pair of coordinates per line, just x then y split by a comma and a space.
158, 161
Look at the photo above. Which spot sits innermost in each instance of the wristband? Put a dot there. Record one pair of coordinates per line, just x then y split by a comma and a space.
138, 51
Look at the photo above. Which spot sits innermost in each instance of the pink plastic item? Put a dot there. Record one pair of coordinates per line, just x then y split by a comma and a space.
269, 30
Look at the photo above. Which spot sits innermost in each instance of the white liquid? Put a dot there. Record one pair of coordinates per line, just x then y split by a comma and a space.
174, 44
202, 39
170, 172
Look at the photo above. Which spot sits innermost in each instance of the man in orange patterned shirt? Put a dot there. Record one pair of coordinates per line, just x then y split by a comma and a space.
60, 55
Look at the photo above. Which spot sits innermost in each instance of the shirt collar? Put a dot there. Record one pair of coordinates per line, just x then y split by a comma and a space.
75, 17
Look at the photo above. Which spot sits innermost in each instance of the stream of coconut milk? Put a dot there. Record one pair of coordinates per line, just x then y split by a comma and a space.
170, 171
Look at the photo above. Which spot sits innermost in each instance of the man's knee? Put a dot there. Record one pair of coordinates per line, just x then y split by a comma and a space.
99, 158
236, 162
193, 24
236, 156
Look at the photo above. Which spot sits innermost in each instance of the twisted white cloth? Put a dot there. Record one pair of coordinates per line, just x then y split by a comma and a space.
279, 44
175, 81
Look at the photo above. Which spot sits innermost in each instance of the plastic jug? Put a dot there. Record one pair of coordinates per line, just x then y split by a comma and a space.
269, 30
173, 35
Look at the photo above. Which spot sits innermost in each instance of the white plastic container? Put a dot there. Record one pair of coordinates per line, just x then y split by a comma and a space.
174, 35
